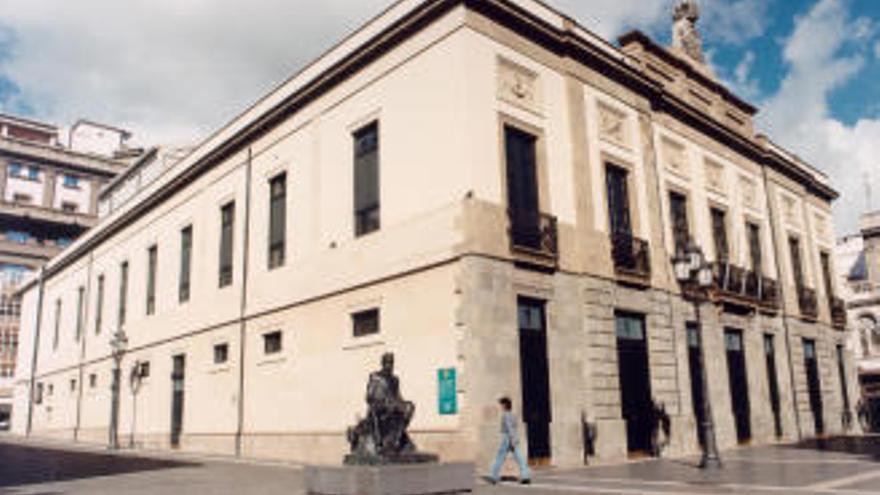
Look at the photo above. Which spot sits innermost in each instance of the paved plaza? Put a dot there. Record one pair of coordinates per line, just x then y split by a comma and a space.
839, 466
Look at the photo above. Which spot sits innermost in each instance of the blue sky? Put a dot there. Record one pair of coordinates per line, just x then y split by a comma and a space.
174, 70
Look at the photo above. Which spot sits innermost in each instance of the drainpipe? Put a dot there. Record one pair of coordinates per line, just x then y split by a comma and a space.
243, 308
36, 350
772, 218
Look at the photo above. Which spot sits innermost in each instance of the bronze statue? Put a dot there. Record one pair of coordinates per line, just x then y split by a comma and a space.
381, 437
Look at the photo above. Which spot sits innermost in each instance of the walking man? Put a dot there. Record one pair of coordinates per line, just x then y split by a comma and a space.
509, 445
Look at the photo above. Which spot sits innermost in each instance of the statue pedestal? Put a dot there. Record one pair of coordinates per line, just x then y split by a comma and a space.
394, 479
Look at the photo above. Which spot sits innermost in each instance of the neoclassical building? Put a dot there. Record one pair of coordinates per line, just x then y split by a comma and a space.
493, 193
859, 259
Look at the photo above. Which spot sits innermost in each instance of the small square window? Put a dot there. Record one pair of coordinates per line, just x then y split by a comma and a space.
15, 170
365, 323
71, 181
33, 173
221, 353
69, 207
144, 370
272, 343
93, 380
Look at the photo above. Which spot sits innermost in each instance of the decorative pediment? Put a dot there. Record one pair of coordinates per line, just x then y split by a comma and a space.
613, 126
518, 85
715, 176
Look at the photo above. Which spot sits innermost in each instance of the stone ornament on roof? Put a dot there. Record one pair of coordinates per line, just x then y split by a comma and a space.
685, 36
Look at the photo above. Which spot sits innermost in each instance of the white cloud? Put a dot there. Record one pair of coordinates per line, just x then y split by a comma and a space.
798, 115
877, 50
167, 69
736, 21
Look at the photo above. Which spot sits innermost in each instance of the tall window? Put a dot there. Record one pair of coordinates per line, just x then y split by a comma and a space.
719, 233
57, 323
152, 260
99, 305
80, 307
277, 219
227, 221
618, 200
825, 259
794, 246
186, 240
755, 251
679, 214
523, 203
366, 179
123, 292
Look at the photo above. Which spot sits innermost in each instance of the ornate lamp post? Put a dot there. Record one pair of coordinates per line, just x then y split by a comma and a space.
118, 346
694, 274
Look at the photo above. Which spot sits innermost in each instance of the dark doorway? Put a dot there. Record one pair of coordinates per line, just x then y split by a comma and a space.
177, 387
535, 377
739, 385
811, 364
522, 187
773, 381
695, 362
844, 387
635, 380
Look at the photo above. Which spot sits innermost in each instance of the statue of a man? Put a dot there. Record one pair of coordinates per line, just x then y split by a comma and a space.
390, 413
685, 36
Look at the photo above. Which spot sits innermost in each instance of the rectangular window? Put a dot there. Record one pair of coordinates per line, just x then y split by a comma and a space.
33, 173
15, 169
73, 385
365, 323
629, 326
277, 219
825, 260
227, 220
69, 207
57, 324
17, 236
755, 251
719, 234
272, 343
679, 217
186, 240
22, 198
618, 200
99, 305
38, 395
794, 246
144, 370
152, 260
123, 292
80, 311
523, 198
366, 179
93, 380
221, 353
71, 181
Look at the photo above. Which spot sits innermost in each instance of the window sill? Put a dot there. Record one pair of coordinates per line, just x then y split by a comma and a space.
356, 343
221, 368
274, 360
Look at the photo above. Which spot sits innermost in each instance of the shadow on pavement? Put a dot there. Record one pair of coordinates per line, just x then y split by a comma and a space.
27, 465
867, 447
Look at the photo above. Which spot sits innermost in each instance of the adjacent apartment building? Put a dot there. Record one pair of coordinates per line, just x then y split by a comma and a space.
491, 192
48, 197
859, 259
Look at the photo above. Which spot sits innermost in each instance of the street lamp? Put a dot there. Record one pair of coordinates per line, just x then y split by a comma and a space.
118, 346
135, 378
694, 274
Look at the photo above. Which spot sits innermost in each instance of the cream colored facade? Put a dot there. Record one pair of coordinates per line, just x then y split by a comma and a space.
443, 80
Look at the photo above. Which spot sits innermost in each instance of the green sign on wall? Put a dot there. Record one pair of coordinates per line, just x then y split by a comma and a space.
447, 398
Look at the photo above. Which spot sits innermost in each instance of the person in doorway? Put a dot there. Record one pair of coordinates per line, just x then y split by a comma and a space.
509, 445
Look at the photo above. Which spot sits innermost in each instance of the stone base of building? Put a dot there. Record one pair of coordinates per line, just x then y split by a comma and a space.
419, 479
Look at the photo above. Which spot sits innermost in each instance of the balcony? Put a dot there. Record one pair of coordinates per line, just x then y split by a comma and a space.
808, 303
838, 312
534, 238
631, 256
737, 285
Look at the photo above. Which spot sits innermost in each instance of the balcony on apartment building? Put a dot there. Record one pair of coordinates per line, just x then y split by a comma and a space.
632, 257
534, 238
838, 312
808, 302
736, 285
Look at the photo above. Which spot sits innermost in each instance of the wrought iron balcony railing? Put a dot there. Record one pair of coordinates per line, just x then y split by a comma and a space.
769, 293
534, 234
739, 285
631, 255
838, 312
808, 302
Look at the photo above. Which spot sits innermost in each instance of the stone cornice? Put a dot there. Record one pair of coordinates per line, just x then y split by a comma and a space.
60, 157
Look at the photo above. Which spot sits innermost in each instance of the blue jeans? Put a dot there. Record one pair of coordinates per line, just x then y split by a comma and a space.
505, 449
